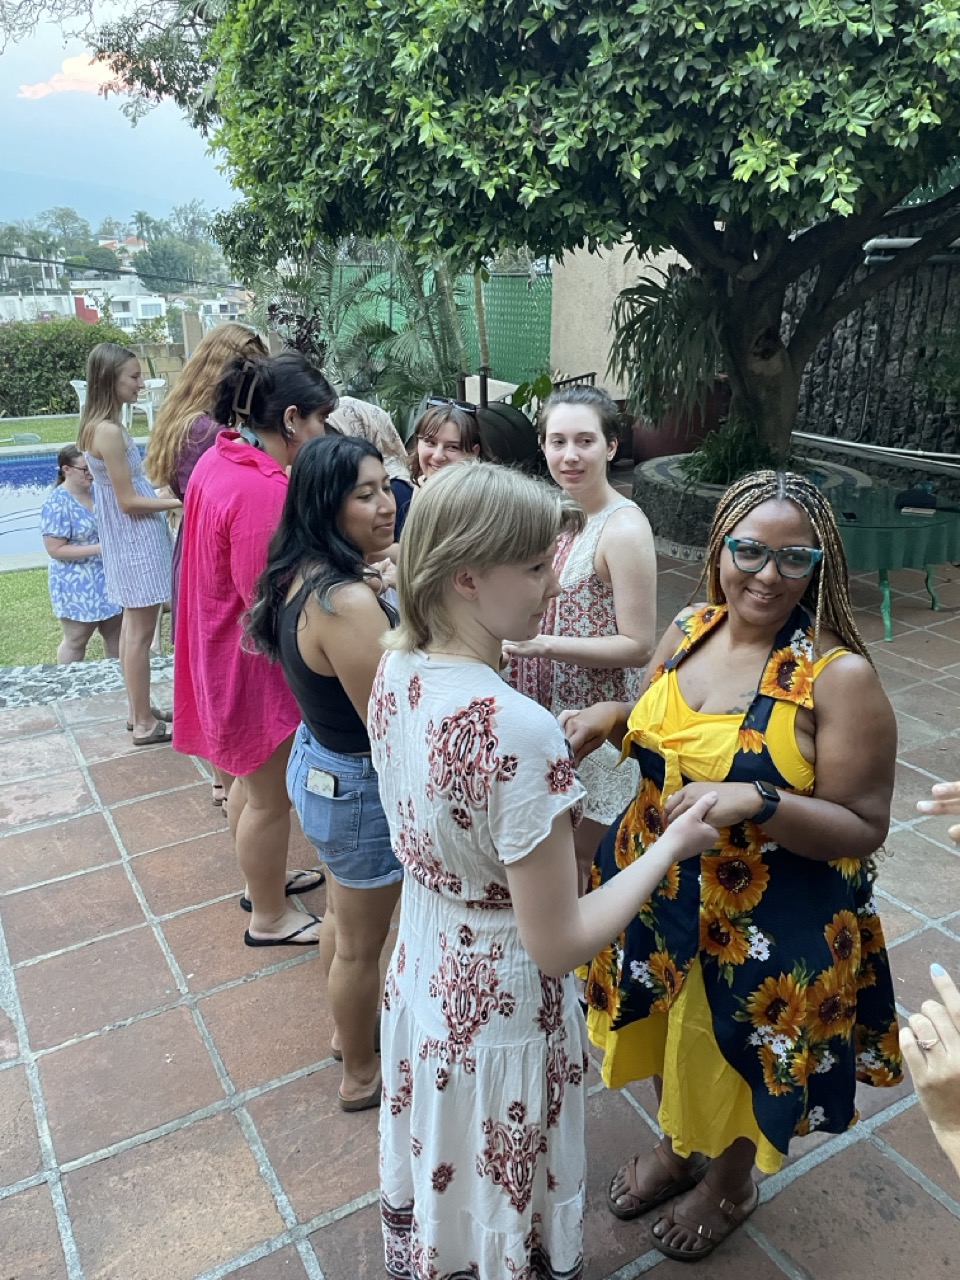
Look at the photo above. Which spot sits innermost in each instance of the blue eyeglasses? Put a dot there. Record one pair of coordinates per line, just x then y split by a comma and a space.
791, 562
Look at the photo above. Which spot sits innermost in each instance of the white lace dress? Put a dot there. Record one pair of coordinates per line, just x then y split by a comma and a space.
482, 1125
585, 607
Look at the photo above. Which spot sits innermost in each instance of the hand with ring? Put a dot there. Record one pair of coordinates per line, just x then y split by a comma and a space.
931, 1049
946, 800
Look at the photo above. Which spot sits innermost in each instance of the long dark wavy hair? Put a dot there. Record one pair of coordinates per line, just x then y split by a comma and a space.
308, 540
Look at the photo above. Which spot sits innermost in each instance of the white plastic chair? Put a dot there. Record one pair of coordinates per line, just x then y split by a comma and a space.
80, 387
150, 399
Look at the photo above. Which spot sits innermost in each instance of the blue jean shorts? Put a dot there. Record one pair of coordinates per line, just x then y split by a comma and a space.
348, 828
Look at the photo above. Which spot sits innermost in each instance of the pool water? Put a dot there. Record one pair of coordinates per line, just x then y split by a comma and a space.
25, 481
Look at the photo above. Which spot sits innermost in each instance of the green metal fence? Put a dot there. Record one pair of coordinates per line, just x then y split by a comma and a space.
518, 324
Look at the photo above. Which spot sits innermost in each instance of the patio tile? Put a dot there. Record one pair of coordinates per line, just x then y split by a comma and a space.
178, 1206
184, 874
34, 757
910, 963
323, 1157
277, 1023
926, 702
935, 651
209, 948
58, 915
351, 1248
106, 740
895, 680
871, 1101
103, 706
910, 786
19, 1147
738, 1259
17, 722
31, 1241
921, 874
857, 1216
912, 733
143, 1075
285, 1264
98, 985
911, 1135
129, 777
896, 921
162, 820
29, 857
872, 627
942, 757
35, 800
614, 1133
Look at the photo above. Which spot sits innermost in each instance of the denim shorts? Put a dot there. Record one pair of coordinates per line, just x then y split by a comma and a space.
349, 829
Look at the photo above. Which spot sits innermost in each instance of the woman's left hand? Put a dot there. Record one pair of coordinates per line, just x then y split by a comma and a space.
538, 647
736, 802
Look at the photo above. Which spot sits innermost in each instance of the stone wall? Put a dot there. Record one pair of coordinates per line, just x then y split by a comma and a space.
161, 360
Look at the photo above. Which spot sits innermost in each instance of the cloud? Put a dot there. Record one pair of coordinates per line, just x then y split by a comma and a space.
79, 74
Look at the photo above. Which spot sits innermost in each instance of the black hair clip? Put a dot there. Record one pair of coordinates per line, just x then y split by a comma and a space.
243, 409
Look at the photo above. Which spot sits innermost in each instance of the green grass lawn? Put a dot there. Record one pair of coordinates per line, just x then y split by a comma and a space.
59, 429
29, 633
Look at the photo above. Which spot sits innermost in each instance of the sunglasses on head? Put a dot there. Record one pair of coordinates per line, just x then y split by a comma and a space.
437, 402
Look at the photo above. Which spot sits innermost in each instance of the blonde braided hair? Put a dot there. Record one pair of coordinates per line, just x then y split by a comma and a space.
827, 594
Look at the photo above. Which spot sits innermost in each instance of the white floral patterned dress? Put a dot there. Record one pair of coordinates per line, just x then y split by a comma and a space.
482, 1125
585, 607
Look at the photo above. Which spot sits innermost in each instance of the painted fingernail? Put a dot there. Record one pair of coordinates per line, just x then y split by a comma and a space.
938, 971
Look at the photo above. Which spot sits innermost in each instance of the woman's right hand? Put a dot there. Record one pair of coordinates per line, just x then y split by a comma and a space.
946, 800
588, 728
691, 833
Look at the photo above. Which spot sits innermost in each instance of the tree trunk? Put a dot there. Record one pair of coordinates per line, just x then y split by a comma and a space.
483, 340
764, 383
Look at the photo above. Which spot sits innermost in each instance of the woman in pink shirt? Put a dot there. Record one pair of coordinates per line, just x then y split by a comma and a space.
231, 705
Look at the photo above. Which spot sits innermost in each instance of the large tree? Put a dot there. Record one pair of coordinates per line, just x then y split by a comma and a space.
762, 140
166, 267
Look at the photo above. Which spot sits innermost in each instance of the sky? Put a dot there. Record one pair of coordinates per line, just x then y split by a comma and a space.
64, 144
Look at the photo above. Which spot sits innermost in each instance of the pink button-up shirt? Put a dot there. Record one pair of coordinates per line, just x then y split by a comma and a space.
230, 706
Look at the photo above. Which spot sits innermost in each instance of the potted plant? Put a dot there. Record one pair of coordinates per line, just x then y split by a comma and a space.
666, 348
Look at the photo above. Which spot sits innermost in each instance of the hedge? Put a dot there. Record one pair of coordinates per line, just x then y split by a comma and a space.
39, 358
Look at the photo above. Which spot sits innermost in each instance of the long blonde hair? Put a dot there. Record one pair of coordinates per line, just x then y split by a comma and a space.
102, 403
195, 394
477, 514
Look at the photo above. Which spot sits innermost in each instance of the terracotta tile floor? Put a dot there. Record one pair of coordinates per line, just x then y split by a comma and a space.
167, 1099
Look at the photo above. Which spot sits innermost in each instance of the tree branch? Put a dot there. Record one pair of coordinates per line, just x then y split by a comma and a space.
931, 209
906, 260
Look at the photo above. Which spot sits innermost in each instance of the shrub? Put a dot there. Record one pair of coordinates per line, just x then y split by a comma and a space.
39, 358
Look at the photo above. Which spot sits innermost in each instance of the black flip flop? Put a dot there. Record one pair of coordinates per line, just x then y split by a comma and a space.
291, 940
292, 887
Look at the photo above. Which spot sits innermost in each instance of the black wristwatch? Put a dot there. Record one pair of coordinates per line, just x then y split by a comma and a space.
771, 798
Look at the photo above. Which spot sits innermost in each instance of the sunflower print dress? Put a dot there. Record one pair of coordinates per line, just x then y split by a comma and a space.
754, 981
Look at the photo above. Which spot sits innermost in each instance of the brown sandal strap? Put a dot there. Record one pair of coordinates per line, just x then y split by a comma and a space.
737, 1213
673, 1163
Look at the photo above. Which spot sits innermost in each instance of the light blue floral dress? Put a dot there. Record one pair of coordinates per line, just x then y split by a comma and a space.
78, 588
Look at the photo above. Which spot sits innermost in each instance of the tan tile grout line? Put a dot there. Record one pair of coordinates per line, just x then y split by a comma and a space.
50, 1174
915, 1175
254, 1142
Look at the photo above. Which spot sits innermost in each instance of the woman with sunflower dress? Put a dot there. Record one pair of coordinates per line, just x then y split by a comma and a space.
753, 985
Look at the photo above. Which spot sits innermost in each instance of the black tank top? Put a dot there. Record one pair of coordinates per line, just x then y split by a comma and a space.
324, 704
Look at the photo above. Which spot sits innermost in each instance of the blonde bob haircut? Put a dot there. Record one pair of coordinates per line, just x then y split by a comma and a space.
475, 514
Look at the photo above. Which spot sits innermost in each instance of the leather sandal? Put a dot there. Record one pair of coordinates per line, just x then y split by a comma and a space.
687, 1173
157, 714
737, 1214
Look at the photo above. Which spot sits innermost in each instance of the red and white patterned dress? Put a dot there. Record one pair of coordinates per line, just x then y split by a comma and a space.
585, 607
482, 1125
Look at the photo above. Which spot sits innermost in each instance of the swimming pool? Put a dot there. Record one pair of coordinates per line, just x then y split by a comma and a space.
25, 481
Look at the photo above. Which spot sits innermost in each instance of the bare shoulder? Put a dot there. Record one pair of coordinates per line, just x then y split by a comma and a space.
627, 520
849, 676
108, 437
355, 602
